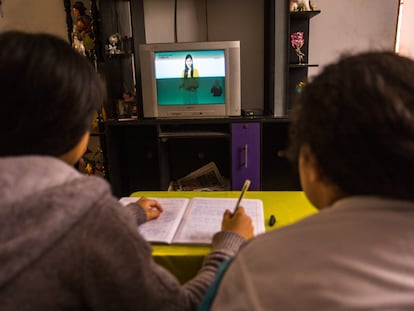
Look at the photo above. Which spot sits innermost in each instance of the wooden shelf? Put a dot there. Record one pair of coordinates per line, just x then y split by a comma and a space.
302, 65
304, 14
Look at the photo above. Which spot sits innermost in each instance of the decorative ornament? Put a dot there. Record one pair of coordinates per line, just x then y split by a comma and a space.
299, 87
91, 163
114, 44
300, 5
297, 41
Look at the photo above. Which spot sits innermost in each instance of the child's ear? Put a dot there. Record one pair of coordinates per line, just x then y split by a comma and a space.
309, 163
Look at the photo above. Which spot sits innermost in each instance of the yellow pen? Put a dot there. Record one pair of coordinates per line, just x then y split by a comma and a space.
243, 191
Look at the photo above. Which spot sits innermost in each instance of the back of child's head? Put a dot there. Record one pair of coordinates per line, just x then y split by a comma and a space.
358, 118
49, 93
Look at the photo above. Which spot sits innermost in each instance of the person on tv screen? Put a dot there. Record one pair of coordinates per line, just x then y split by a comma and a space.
352, 138
190, 81
216, 89
66, 242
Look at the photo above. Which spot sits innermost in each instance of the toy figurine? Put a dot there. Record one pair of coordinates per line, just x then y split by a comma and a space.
299, 5
114, 44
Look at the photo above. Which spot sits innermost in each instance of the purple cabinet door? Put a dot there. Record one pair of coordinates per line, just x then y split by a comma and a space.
245, 146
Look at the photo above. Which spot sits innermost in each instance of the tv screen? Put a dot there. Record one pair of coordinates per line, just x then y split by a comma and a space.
198, 79
191, 77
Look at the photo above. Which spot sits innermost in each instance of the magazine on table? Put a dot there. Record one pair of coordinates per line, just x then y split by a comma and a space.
206, 178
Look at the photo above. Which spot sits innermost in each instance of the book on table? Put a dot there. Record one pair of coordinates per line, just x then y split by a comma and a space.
195, 220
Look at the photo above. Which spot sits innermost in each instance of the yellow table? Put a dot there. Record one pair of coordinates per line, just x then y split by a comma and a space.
184, 261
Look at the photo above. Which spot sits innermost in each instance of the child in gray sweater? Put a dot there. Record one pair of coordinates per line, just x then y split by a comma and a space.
65, 241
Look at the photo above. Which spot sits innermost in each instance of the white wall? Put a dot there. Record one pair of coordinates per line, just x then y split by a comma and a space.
406, 42
34, 16
243, 21
351, 26
342, 26
159, 21
215, 20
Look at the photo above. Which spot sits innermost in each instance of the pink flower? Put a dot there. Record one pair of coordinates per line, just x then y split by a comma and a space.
297, 42
297, 39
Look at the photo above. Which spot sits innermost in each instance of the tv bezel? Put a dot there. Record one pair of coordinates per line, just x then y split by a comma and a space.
232, 102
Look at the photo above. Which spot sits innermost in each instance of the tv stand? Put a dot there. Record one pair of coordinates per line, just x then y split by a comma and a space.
146, 155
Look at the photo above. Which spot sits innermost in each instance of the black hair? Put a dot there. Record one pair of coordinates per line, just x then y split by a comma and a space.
357, 116
49, 95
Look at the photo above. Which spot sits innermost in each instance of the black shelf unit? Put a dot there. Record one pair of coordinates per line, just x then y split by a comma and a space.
148, 154
302, 65
297, 73
303, 15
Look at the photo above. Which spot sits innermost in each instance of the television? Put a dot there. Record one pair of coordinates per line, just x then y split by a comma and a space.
191, 79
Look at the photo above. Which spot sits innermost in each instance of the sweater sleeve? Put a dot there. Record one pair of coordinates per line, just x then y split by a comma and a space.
137, 212
119, 271
224, 246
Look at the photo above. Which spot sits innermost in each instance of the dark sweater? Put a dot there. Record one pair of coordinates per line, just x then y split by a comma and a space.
66, 243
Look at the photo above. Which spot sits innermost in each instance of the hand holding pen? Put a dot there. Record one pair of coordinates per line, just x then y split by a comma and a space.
238, 221
243, 191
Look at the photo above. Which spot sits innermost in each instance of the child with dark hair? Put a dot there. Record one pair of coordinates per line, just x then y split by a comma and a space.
65, 241
352, 137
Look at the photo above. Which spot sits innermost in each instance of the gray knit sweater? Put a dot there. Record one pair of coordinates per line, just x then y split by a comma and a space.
67, 244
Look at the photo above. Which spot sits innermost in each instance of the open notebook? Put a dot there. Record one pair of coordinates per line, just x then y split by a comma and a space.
195, 220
